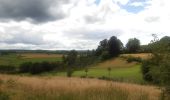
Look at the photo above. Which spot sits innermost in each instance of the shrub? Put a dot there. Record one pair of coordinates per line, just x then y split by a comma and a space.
7, 69
38, 67
69, 72
146, 71
4, 96
133, 59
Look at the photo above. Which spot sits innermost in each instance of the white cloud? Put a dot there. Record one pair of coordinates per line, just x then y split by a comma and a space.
86, 23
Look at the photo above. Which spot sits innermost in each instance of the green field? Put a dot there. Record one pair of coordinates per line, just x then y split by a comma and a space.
17, 59
120, 69
131, 74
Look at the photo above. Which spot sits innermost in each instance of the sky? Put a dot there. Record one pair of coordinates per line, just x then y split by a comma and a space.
80, 24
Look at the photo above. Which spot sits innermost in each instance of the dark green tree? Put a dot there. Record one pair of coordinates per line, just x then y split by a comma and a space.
103, 46
70, 61
71, 58
133, 45
86, 71
114, 46
109, 70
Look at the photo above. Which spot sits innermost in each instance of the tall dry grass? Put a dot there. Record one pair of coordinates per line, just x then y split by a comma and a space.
115, 63
61, 88
140, 55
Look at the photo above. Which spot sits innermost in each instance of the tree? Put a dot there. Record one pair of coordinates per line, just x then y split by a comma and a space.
114, 46
70, 61
103, 46
71, 58
86, 70
133, 45
157, 69
109, 70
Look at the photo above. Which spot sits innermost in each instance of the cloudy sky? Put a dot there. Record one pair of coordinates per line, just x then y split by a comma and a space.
79, 24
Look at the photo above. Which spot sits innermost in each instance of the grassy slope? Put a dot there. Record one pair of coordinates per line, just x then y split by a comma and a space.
61, 88
120, 71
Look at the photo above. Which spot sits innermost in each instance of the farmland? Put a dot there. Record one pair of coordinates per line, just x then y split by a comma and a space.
54, 85
19, 58
121, 70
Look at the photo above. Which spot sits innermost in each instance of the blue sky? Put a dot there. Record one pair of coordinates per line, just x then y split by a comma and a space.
128, 7
97, 2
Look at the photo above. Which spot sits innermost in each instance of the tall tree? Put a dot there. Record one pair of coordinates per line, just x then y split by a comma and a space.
103, 46
71, 58
114, 46
133, 45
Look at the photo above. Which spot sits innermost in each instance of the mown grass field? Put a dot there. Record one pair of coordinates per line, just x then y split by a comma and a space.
121, 70
62, 88
17, 59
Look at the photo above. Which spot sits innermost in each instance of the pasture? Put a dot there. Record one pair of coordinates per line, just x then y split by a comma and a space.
18, 58
62, 88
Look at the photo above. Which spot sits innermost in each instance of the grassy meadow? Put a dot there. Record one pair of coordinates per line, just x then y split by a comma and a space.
62, 88
17, 59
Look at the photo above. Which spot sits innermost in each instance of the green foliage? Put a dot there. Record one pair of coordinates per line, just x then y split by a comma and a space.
7, 69
146, 70
69, 72
109, 48
114, 46
133, 59
71, 58
103, 46
4, 96
86, 71
105, 55
157, 68
39, 67
133, 45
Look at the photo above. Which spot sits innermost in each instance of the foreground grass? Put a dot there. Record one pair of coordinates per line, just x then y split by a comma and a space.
60, 88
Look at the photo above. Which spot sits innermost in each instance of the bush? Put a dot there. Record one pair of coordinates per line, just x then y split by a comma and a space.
69, 72
7, 69
4, 96
133, 59
38, 67
146, 71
